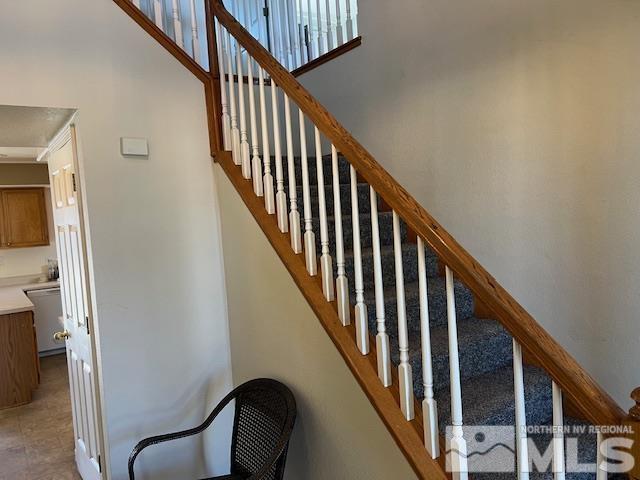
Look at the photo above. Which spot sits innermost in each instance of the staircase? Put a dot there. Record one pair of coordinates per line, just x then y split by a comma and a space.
440, 348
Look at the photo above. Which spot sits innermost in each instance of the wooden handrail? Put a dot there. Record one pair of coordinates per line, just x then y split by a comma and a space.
578, 386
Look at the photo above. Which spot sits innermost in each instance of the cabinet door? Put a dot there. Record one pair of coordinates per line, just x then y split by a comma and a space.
25, 217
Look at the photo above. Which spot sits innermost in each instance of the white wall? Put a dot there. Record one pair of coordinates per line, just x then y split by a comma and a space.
274, 333
517, 125
154, 223
19, 262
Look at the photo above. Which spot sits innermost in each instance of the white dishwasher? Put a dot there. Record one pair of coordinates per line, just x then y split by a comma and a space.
48, 308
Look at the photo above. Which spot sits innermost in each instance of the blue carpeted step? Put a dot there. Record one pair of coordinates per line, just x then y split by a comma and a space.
343, 170
484, 346
387, 261
385, 222
488, 399
364, 201
437, 302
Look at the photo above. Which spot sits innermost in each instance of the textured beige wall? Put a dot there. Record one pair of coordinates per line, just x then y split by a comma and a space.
517, 124
23, 174
274, 333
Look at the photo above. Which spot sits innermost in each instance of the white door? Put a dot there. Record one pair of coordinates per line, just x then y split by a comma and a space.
76, 309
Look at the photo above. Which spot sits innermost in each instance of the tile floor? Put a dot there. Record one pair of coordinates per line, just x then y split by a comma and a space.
36, 440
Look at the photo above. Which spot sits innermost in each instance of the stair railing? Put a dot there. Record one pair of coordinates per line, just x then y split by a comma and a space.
529, 338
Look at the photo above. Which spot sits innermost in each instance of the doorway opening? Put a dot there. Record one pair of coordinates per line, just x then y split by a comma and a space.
50, 420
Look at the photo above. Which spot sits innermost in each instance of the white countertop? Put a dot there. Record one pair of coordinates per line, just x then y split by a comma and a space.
13, 298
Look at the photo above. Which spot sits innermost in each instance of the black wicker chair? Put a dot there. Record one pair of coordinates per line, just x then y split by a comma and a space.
265, 412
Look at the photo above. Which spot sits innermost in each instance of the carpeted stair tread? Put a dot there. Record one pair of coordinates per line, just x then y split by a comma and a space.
387, 261
489, 399
484, 346
343, 170
364, 201
436, 289
385, 226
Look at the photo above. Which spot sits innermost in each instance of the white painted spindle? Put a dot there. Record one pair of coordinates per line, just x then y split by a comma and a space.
354, 18
158, 14
309, 237
294, 214
322, 31
304, 54
286, 33
136, 3
195, 41
405, 374
361, 316
245, 157
522, 448
601, 461
235, 132
429, 405
294, 32
382, 337
256, 161
269, 195
338, 20
226, 121
457, 445
350, 21
312, 30
281, 196
558, 435
342, 283
332, 38
326, 262
177, 23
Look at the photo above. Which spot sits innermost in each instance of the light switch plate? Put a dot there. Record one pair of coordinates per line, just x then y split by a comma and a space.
134, 147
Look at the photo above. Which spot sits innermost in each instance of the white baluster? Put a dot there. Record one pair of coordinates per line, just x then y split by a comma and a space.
294, 214
195, 41
382, 337
332, 40
354, 17
429, 404
309, 237
281, 196
323, 46
405, 374
601, 461
350, 22
256, 162
312, 30
293, 32
245, 157
304, 54
269, 200
339, 29
360, 311
226, 121
457, 445
235, 132
136, 3
342, 283
558, 435
177, 23
521, 417
158, 14
286, 33
326, 262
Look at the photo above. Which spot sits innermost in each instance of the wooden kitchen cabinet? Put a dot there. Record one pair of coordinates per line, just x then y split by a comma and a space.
23, 218
19, 366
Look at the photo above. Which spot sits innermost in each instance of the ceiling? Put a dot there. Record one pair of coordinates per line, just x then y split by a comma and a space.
25, 131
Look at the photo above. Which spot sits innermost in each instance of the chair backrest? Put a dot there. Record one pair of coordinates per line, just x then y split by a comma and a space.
265, 413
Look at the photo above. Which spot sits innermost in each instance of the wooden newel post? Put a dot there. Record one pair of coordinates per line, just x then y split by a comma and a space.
634, 421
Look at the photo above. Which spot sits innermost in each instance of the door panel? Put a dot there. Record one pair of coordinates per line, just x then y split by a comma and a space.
76, 311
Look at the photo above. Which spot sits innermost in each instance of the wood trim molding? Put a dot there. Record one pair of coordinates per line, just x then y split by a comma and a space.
162, 38
593, 401
384, 400
327, 57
